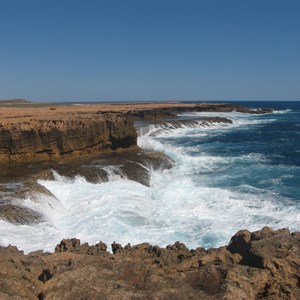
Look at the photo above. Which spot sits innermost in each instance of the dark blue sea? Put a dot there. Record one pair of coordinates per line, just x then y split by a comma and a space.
226, 177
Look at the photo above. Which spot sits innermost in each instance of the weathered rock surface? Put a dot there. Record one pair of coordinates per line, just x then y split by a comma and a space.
68, 132
133, 165
255, 265
81, 135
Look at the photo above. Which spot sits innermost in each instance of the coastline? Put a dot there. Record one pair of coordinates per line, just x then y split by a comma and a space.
68, 132
252, 266
15, 113
68, 139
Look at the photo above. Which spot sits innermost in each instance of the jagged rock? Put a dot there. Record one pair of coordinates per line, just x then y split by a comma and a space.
99, 248
116, 248
74, 245
80, 271
240, 243
68, 245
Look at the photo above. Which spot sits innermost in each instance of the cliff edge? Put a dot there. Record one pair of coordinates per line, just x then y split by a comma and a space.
64, 132
65, 137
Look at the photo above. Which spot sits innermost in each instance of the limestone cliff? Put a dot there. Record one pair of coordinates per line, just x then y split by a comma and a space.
69, 131
56, 138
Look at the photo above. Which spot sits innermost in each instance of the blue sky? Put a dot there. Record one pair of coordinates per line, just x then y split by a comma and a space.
149, 50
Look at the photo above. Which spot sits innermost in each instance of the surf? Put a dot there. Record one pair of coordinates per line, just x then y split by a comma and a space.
218, 185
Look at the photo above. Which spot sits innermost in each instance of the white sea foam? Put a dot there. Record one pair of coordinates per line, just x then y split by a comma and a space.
234, 116
176, 127
180, 204
173, 208
114, 173
284, 111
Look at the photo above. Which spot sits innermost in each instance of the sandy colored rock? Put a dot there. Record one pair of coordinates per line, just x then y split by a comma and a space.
140, 110
65, 138
81, 271
37, 132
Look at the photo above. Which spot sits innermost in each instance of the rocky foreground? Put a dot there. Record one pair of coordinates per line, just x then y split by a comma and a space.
264, 264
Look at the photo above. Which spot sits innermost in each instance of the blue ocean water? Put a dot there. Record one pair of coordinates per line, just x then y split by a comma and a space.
226, 177
247, 174
266, 152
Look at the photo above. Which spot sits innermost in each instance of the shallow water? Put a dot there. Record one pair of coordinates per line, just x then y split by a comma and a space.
226, 178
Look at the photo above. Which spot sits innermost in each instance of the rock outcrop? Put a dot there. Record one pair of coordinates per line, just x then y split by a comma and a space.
255, 265
80, 135
62, 132
20, 181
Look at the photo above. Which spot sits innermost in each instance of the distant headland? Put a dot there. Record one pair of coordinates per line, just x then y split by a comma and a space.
16, 101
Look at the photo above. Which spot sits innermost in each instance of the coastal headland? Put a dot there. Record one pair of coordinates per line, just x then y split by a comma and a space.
53, 132
263, 264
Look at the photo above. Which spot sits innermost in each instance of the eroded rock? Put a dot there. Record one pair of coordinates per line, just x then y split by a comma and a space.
65, 138
81, 271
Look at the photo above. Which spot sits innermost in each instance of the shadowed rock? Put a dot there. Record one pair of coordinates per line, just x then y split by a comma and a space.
19, 215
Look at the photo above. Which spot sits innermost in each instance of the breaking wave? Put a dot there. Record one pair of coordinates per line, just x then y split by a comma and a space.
226, 177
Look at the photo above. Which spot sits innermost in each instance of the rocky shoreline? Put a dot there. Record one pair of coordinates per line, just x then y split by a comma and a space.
83, 140
31, 134
263, 264
134, 165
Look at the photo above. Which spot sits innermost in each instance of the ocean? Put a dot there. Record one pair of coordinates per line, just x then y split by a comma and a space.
226, 177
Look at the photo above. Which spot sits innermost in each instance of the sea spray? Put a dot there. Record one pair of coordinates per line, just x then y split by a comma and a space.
226, 177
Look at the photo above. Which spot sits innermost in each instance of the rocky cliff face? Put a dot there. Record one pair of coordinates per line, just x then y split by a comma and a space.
71, 137
66, 132
256, 265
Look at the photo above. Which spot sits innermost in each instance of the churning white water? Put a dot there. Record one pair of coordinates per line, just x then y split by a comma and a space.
196, 202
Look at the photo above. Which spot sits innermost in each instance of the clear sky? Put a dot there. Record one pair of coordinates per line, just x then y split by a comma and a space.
71, 50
